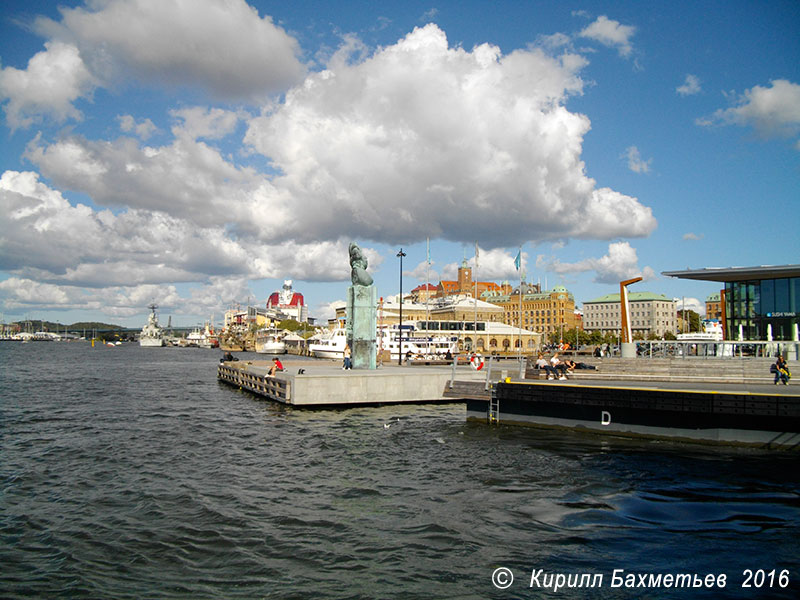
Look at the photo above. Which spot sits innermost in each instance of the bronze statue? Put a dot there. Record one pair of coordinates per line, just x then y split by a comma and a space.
358, 264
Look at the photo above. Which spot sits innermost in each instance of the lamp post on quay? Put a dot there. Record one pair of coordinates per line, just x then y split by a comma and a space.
400, 255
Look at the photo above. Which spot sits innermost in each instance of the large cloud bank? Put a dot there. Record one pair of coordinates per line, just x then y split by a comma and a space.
417, 139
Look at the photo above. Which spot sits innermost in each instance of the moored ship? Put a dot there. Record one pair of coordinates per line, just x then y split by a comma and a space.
152, 335
416, 343
202, 339
269, 341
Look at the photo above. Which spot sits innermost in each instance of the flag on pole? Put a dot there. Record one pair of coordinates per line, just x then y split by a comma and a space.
476, 255
429, 249
518, 260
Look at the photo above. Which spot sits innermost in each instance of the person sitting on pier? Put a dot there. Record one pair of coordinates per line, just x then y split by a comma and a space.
781, 371
559, 366
541, 363
276, 366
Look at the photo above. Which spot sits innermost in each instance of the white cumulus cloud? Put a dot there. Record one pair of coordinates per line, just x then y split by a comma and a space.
611, 33
773, 111
690, 303
143, 129
423, 140
635, 161
53, 80
495, 264
619, 264
73, 253
690, 86
202, 122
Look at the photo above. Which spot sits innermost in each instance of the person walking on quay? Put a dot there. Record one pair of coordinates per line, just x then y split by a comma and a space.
348, 364
781, 371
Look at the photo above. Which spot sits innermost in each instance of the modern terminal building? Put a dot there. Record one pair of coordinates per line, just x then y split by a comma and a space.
758, 303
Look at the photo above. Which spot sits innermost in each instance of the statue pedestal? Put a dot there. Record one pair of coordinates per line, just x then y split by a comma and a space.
362, 323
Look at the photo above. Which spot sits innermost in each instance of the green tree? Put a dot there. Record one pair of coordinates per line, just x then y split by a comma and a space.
303, 329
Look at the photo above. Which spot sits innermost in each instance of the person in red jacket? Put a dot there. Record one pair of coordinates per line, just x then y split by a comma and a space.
276, 366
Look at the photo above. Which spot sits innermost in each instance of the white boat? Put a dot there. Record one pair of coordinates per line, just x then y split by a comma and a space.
193, 338
270, 341
417, 343
202, 339
152, 335
329, 345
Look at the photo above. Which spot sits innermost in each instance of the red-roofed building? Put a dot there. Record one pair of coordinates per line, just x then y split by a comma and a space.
464, 285
422, 293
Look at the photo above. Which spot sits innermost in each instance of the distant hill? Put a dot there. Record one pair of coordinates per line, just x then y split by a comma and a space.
38, 325
93, 325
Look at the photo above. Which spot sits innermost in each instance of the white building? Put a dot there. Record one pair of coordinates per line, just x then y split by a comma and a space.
649, 314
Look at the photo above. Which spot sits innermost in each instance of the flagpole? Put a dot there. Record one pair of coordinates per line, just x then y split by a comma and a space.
518, 266
475, 325
427, 282
519, 353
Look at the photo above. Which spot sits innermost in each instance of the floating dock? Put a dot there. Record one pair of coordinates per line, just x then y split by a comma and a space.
324, 383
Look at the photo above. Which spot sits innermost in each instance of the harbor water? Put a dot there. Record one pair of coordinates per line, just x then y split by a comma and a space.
130, 472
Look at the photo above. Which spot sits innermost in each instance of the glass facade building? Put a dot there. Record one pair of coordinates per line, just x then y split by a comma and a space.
760, 302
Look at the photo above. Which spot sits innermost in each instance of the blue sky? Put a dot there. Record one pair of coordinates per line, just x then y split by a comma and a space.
196, 154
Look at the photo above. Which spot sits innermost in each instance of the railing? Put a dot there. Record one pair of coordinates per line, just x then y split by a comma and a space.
719, 349
271, 387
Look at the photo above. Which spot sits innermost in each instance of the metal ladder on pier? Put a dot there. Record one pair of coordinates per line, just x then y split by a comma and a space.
494, 407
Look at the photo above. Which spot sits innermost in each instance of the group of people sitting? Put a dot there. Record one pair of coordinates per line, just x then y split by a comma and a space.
557, 368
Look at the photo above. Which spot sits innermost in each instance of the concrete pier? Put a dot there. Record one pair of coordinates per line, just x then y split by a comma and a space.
324, 383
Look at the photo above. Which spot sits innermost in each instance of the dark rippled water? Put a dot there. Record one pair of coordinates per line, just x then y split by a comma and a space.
132, 473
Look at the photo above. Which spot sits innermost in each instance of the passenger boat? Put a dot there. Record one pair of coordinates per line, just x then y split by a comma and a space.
329, 345
270, 341
152, 335
202, 339
416, 343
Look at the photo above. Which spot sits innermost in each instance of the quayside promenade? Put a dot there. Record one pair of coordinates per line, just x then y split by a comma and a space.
748, 370
324, 383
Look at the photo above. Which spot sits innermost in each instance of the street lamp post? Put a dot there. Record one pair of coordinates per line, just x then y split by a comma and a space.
400, 255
